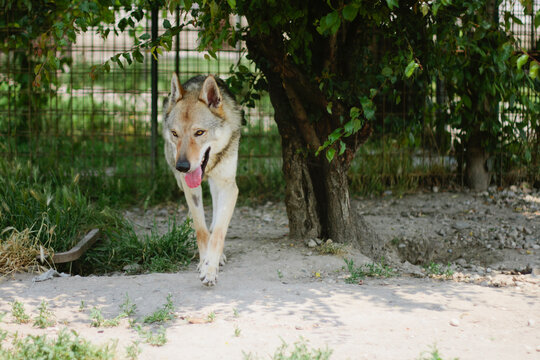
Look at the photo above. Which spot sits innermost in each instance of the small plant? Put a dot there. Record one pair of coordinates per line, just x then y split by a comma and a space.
99, 321
128, 308
18, 312
380, 269
237, 331
299, 351
236, 313
133, 351
45, 317
211, 317
82, 306
438, 270
279, 274
163, 314
97, 317
432, 355
68, 345
158, 338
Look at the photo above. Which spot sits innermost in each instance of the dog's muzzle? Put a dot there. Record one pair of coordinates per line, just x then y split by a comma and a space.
182, 165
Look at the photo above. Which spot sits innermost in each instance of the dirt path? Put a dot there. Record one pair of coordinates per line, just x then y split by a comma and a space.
273, 289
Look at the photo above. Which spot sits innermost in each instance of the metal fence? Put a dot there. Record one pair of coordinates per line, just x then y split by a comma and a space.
108, 124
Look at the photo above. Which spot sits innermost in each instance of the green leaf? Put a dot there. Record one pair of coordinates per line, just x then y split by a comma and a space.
349, 12
386, 71
537, 19
166, 24
329, 108
533, 70
187, 4
138, 56
232, 4
424, 8
368, 107
409, 70
145, 36
127, 56
342, 148
330, 154
392, 4
522, 60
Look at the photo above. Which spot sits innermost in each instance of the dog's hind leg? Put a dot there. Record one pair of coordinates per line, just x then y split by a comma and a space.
224, 199
194, 200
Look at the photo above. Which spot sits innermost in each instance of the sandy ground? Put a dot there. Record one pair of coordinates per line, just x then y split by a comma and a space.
274, 290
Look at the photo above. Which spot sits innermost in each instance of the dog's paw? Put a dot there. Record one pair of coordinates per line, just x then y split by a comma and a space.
222, 259
208, 273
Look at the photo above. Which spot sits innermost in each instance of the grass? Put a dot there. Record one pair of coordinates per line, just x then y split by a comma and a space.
66, 346
158, 338
298, 351
357, 273
18, 313
45, 212
162, 314
45, 318
433, 354
133, 351
438, 270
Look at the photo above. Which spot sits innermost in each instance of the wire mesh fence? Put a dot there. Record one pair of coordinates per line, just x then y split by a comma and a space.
104, 125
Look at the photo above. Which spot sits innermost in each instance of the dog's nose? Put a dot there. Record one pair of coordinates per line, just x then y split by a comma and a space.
182, 165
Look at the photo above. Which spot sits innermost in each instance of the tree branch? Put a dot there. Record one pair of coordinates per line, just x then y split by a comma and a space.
308, 132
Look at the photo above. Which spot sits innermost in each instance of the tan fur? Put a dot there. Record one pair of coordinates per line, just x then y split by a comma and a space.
204, 104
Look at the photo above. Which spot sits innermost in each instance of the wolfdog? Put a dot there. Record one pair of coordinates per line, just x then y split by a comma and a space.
201, 127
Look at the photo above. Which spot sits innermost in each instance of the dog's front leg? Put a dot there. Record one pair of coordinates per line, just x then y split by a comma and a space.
225, 193
194, 200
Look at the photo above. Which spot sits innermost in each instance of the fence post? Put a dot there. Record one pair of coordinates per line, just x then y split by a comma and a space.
154, 82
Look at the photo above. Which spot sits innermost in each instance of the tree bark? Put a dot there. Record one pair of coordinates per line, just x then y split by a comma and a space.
476, 171
317, 192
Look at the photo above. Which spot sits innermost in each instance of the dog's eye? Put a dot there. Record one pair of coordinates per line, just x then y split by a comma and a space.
199, 132
174, 133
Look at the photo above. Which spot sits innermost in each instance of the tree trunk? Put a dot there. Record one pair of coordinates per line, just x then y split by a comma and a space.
476, 171
317, 192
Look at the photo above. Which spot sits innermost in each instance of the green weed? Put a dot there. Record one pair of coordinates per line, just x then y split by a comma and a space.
68, 345
438, 270
211, 317
237, 331
45, 317
299, 351
432, 355
158, 338
133, 351
162, 314
380, 270
99, 321
18, 312
128, 308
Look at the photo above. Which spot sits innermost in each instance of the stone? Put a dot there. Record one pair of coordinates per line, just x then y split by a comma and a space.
461, 225
311, 243
454, 322
132, 267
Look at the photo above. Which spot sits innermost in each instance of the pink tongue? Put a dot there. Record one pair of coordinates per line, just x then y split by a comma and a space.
194, 179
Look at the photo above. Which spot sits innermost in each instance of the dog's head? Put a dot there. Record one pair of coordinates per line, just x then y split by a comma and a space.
193, 118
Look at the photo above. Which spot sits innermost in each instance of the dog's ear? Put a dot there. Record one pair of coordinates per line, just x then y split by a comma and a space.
177, 91
210, 93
